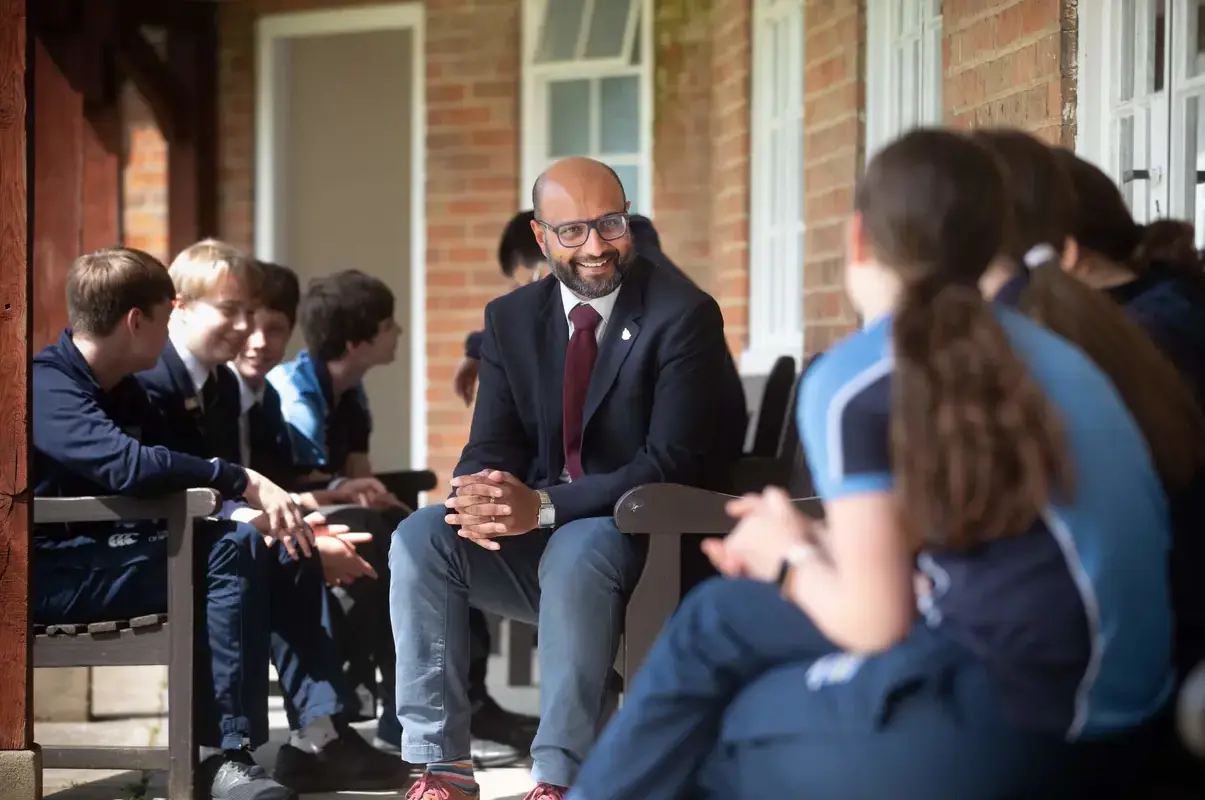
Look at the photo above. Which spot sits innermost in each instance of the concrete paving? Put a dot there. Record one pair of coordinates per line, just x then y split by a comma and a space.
151, 729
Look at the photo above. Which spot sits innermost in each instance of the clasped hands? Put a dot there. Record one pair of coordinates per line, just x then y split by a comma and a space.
336, 546
490, 504
767, 527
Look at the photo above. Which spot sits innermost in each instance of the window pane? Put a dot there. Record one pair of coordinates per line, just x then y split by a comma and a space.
1129, 62
619, 106
1194, 164
1156, 45
1196, 38
608, 24
558, 35
629, 176
1125, 158
637, 48
568, 118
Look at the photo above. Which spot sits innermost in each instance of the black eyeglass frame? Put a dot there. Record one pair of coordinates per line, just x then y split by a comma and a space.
591, 225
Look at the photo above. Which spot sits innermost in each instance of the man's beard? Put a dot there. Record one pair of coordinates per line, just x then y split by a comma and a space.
566, 273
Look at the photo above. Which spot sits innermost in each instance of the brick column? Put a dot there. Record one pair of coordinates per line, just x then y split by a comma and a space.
1012, 63
473, 72
833, 151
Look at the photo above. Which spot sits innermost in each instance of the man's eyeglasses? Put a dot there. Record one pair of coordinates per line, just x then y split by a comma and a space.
575, 234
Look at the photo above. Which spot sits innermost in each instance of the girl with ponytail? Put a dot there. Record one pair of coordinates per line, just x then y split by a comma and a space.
950, 436
1048, 205
1152, 271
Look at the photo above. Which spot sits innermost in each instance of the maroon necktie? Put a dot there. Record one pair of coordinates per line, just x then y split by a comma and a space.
579, 363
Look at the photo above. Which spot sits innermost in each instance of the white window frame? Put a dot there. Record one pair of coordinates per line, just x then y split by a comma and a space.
776, 208
895, 101
534, 94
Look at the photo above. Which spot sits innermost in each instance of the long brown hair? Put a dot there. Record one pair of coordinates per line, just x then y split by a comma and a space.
1161, 402
977, 449
1102, 223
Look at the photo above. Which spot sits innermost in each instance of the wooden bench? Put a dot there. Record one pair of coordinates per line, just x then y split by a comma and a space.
668, 512
157, 639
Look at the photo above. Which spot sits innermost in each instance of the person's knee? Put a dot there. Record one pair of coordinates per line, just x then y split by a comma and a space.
422, 543
588, 555
234, 543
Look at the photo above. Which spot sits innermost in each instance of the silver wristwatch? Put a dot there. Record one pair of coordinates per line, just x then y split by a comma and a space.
547, 518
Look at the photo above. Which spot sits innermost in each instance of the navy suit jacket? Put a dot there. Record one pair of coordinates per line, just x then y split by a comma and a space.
190, 430
652, 414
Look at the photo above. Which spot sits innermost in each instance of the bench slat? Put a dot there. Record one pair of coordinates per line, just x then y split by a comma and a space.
200, 503
132, 758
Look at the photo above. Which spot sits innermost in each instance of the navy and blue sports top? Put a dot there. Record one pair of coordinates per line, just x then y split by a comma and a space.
1071, 617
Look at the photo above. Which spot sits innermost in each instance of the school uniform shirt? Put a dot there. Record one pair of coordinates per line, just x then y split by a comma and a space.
264, 443
88, 441
324, 429
1171, 309
1071, 617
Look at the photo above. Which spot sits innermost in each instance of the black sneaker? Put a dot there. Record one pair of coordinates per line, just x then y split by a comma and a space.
236, 776
485, 753
492, 721
346, 764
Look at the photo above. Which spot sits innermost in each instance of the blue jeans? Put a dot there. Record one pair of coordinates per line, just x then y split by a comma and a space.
255, 603
742, 696
573, 583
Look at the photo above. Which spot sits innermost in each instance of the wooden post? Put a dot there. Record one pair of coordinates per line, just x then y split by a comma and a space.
192, 153
19, 762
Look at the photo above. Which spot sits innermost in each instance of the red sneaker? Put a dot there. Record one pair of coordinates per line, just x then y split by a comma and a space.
430, 787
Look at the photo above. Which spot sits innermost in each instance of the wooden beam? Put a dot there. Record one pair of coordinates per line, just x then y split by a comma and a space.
101, 191
58, 178
16, 721
192, 162
165, 94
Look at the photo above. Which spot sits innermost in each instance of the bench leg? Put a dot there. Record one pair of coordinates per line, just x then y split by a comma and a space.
654, 600
521, 641
183, 588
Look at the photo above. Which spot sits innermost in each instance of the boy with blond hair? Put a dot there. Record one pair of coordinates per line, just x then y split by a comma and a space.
217, 289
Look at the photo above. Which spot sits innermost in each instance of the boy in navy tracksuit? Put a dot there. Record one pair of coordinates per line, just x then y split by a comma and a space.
216, 287
349, 328
95, 433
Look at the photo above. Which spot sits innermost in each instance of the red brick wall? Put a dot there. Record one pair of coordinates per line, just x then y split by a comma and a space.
730, 108
144, 179
1011, 63
834, 138
701, 148
472, 171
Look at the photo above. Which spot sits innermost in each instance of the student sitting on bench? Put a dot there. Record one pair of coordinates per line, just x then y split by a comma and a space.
216, 288
95, 433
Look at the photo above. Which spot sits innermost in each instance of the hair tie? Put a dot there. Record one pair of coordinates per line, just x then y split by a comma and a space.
1039, 254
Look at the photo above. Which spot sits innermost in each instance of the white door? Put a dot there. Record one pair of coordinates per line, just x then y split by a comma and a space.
1142, 103
1188, 114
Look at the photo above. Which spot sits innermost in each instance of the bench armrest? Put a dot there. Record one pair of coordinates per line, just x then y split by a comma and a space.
114, 508
671, 508
408, 484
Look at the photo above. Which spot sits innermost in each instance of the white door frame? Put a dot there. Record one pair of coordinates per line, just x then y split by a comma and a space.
271, 70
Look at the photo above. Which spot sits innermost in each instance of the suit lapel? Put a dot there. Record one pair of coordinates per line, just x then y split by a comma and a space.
618, 337
552, 339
